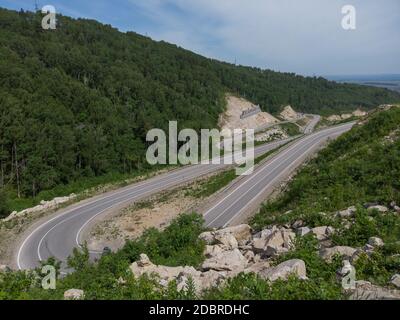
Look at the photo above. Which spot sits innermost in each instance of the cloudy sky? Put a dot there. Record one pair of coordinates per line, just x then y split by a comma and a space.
302, 36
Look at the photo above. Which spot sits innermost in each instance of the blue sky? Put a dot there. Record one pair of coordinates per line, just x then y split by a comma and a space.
302, 36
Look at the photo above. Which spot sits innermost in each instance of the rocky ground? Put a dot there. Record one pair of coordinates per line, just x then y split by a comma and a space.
238, 249
230, 119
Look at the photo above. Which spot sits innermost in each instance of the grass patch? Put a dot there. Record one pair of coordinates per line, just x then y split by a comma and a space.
213, 184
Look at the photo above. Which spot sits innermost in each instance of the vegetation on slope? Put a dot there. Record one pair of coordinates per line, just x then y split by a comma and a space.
364, 163
177, 245
77, 102
361, 166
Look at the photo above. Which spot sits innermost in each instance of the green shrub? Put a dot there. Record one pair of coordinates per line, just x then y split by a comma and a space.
177, 245
252, 287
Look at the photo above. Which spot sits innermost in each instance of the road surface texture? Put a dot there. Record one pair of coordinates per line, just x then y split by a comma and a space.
251, 191
57, 235
313, 122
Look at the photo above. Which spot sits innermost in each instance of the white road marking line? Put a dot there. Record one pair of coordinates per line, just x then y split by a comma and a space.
325, 135
251, 188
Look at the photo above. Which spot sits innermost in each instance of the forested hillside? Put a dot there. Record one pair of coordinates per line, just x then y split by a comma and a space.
77, 102
361, 166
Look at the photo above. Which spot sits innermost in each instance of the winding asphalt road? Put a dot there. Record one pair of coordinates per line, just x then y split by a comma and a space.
57, 235
250, 192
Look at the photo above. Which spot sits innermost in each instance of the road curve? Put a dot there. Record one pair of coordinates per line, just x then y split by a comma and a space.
251, 191
57, 235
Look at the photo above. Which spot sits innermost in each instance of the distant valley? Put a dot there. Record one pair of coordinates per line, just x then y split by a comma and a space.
388, 81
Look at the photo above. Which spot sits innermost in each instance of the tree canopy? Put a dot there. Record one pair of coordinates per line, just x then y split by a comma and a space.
78, 101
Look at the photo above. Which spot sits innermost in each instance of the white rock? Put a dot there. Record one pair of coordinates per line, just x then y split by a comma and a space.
227, 240
347, 213
226, 261
258, 267
367, 291
206, 280
323, 233
265, 233
275, 242
241, 232
211, 251
303, 231
207, 237
43, 206
379, 208
395, 281
249, 255
298, 224
145, 266
343, 251
376, 242
284, 270
74, 294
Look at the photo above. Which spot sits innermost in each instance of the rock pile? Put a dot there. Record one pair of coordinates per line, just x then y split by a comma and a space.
228, 252
235, 250
43, 206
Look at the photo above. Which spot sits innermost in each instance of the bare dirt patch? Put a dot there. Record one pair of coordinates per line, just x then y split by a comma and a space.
155, 212
231, 118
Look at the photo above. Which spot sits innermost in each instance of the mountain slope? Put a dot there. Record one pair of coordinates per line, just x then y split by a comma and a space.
361, 166
78, 101
364, 163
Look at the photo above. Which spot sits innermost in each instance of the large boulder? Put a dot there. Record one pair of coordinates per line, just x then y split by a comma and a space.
294, 267
226, 239
74, 294
241, 232
323, 233
232, 260
207, 237
228, 236
250, 256
343, 251
274, 242
366, 291
379, 208
182, 275
165, 274
211, 251
258, 267
347, 213
202, 281
376, 242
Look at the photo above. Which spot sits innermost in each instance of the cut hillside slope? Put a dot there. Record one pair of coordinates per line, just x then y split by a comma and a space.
77, 102
288, 114
233, 118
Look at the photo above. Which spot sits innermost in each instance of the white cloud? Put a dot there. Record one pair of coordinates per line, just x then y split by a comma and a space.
302, 36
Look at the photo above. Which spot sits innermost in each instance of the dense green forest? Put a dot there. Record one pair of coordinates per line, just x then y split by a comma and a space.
77, 102
362, 165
